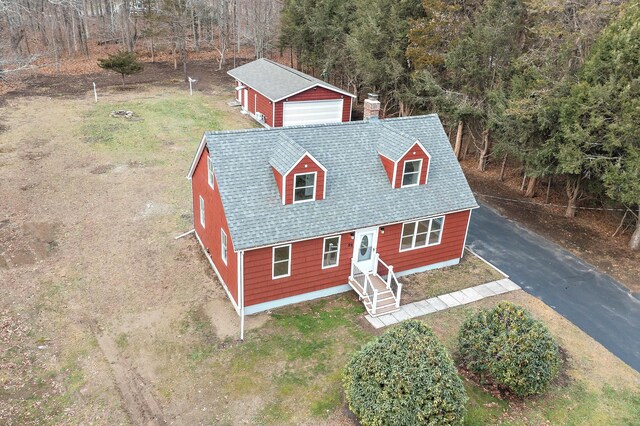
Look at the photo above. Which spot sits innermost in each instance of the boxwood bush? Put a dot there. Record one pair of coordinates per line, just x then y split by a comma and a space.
514, 350
405, 377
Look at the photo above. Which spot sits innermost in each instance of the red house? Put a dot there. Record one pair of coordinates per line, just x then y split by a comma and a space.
292, 214
277, 96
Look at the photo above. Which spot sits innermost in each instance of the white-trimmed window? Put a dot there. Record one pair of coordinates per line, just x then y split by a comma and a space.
422, 233
210, 173
411, 173
281, 261
330, 252
304, 187
223, 246
202, 211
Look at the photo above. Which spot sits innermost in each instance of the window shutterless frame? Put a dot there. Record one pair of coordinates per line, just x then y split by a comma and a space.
331, 250
223, 246
296, 187
210, 172
404, 172
416, 233
202, 221
275, 262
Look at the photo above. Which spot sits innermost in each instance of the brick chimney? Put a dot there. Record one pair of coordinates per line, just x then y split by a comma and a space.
372, 107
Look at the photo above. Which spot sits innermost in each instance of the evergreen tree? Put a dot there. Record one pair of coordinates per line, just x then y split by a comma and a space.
600, 118
123, 62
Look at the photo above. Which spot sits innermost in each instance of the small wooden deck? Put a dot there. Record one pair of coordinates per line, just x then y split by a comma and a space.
386, 300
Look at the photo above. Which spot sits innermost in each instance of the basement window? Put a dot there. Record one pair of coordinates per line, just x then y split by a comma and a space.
281, 262
423, 233
304, 187
411, 173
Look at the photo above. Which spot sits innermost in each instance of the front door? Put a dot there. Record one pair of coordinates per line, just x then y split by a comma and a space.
364, 248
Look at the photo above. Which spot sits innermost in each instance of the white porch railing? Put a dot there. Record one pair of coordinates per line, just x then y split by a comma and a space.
385, 272
364, 282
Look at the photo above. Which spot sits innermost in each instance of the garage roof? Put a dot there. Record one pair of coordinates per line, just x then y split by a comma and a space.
358, 193
276, 81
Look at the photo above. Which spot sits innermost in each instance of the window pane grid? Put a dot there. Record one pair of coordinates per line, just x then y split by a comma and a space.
304, 187
411, 172
330, 252
423, 233
281, 259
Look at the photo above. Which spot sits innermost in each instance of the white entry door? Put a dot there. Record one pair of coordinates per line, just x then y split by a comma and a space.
312, 112
245, 100
364, 247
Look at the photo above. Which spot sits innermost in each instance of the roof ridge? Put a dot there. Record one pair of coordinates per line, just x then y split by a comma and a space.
398, 131
291, 70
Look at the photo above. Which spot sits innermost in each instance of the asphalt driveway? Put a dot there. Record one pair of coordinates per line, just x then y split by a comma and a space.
593, 301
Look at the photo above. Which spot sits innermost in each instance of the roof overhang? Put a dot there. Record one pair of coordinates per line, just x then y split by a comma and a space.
194, 163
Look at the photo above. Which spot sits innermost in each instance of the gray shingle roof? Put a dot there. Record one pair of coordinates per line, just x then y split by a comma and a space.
276, 81
358, 192
285, 154
393, 142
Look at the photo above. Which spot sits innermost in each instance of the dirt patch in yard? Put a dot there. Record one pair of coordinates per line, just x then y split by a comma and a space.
86, 242
470, 272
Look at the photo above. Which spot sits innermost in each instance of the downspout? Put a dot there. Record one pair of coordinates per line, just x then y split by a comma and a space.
241, 291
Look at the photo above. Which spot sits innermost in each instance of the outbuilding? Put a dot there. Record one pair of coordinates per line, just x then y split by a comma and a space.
277, 96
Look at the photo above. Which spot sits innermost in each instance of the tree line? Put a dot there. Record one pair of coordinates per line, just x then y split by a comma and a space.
34, 29
551, 86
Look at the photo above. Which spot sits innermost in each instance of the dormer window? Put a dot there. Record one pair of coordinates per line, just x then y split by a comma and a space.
305, 187
411, 173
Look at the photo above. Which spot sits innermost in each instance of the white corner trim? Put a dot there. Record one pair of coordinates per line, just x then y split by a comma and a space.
194, 163
215, 269
260, 307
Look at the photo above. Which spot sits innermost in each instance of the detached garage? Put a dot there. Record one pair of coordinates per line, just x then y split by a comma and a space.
277, 96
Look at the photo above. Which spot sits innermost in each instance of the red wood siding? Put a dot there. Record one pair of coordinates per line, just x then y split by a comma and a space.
450, 247
306, 276
414, 153
265, 106
258, 103
278, 178
388, 167
214, 220
306, 165
313, 94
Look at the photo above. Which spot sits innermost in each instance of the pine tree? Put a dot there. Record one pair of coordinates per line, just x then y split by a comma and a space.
123, 62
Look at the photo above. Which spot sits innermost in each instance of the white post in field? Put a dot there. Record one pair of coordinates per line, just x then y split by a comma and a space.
191, 82
95, 92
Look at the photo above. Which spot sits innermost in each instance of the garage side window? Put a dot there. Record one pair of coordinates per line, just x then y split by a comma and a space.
281, 262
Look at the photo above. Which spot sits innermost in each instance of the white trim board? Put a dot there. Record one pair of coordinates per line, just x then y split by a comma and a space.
428, 267
261, 307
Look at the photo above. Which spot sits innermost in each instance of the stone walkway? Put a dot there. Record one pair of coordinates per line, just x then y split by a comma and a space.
445, 301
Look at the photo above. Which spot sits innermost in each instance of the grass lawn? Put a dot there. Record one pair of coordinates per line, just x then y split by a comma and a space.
470, 272
116, 191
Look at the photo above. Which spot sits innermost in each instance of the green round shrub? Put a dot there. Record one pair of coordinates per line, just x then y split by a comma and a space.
514, 350
405, 377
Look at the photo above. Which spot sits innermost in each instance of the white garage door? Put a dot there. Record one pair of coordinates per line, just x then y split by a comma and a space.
312, 112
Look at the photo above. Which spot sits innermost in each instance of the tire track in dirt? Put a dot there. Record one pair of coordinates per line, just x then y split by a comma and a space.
141, 406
